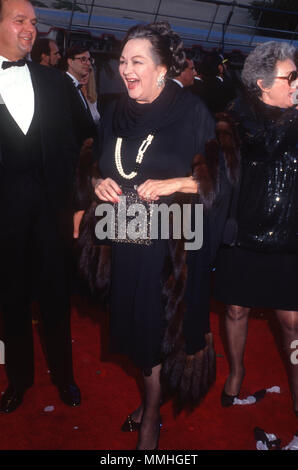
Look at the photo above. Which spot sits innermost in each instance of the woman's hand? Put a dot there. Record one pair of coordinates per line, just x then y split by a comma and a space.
107, 190
153, 189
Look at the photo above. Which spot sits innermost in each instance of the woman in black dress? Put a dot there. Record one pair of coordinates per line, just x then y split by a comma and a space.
149, 138
261, 270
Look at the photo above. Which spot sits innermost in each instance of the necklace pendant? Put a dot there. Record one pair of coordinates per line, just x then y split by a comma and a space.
140, 155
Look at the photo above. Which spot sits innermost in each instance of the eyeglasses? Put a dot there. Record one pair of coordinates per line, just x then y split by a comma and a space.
84, 59
291, 77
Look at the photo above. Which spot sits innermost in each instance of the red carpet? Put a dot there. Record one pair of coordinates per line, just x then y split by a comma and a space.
109, 393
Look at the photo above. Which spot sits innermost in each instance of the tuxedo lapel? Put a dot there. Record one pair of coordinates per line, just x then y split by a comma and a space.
79, 99
36, 82
87, 109
40, 104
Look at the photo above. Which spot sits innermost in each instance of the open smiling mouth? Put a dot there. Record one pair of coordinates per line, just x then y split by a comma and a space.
27, 39
132, 83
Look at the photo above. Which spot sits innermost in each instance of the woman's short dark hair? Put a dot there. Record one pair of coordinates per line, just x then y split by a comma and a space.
167, 46
260, 64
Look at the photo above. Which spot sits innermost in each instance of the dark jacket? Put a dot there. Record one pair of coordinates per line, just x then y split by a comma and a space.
267, 213
59, 150
215, 93
82, 120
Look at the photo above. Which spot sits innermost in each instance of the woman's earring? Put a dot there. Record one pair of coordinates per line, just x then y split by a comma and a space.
161, 81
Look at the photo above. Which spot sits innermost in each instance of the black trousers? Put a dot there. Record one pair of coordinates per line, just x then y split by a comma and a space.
33, 253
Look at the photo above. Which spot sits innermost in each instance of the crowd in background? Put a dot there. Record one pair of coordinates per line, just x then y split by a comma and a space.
207, 74
63, 154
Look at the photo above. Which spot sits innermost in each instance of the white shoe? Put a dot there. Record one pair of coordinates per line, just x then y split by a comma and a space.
293, 445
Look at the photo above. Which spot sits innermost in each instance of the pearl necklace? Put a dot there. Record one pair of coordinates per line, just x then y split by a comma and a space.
142, 149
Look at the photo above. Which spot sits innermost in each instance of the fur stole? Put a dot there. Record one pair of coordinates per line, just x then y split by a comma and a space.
186, 378
206, 169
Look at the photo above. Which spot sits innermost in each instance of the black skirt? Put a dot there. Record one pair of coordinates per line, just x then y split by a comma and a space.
137, 318
252, 279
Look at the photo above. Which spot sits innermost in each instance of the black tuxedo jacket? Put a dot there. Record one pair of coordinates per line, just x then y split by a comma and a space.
59, 149
215, 93
83, 123
197, 87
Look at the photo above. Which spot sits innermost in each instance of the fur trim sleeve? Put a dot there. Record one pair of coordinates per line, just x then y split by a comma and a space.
205, 172
94, 260
183, 376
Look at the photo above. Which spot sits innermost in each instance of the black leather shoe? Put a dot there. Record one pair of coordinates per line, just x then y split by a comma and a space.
11, 400
70, 394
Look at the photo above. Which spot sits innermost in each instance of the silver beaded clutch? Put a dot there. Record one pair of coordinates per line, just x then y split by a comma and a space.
132, 218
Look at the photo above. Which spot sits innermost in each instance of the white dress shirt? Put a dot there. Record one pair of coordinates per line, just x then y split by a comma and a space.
94, 111
17, 93
178, 82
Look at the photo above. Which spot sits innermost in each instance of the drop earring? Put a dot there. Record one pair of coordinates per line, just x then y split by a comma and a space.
161, 81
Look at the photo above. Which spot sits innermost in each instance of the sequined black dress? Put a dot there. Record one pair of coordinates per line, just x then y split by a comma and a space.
262, 269
181, 124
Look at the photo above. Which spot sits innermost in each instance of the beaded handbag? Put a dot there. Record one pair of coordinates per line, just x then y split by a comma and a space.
128, 221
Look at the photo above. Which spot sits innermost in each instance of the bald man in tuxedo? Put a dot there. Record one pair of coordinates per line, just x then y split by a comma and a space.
37, 159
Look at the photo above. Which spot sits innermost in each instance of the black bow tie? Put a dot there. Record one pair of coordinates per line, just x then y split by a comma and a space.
17, 63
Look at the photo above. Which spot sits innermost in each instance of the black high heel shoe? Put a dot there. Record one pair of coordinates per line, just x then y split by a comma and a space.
227, 400
130, 425
260, 435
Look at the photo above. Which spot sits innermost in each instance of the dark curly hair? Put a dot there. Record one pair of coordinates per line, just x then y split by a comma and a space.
167, 46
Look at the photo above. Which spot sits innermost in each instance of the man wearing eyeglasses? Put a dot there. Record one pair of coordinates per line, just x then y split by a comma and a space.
79, 63
78, 66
